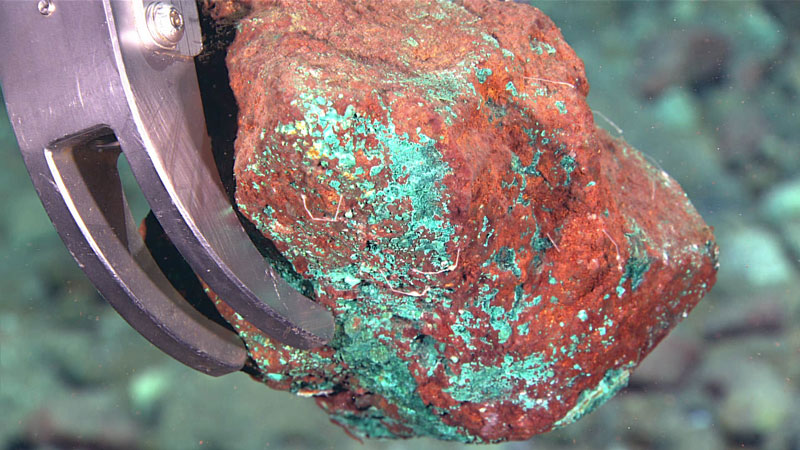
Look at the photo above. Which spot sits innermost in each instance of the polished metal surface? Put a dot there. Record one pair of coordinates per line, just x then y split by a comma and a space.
55, 102
79, 75
84, 171
46, 7
165, 24
168, 27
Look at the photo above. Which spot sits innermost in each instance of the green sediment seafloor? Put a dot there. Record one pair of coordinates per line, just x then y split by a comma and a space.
728, 139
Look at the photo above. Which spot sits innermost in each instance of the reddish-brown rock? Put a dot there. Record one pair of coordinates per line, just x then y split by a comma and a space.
496, 264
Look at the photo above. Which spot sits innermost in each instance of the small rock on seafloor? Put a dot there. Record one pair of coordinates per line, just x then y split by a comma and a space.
430, 172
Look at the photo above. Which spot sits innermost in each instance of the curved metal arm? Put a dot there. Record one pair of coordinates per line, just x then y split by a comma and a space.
109, 249
170, 156
83, 65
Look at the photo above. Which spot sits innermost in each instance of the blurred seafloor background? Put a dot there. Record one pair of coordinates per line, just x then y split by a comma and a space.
711, 90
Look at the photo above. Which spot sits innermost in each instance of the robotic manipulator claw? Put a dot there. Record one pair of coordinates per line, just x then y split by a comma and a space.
81, 77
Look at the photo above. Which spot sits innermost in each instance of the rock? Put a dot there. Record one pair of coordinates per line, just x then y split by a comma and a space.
27, 381
147, 391
755, 259
782, 202
787, 13
697, 57
677, 111
495, 263
198, 411
769, 316
781, 206
88, 419
668, 364
761, 410
750, 387
103, 351
644, 419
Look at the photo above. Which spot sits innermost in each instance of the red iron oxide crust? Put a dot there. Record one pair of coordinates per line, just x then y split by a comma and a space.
496, 264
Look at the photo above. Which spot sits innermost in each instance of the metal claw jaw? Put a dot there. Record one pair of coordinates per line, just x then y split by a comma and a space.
80, 76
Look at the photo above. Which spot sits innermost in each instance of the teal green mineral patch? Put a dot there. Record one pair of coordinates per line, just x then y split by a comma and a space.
415, 166
513, 90
540, 48
506, 259
415, 169
609, 385
380, 370
638, 262
482, 74
477, 383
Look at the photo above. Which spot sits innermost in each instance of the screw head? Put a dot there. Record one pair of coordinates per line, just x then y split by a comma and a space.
46, 7
164, 23
175, 19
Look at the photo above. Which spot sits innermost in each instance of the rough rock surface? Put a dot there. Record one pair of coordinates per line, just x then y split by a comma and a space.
496, 264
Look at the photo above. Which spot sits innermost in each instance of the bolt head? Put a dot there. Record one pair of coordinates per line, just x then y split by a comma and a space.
46, 7
165, 24
175, 19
